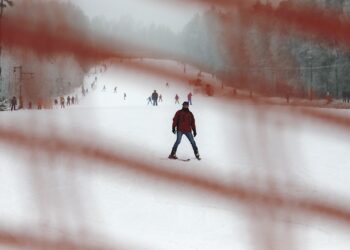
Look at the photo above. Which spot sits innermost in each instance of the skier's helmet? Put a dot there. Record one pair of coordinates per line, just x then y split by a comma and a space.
185, 104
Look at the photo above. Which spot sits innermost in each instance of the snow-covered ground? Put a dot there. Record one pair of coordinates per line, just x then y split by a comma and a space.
238, 142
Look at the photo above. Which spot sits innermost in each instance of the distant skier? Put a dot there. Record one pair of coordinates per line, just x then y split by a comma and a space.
189, 98
329, 98
72, 99
167, 84
20, 102
83, 90
155, 98
13, 103
62, 101
68, 101
234, 91
149, 100
115, 90
124, 96
344, 94
160, 98
55, 101
183, 124
39, 104
177, 99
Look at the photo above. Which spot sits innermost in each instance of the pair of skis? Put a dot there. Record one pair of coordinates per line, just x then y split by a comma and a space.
185, 159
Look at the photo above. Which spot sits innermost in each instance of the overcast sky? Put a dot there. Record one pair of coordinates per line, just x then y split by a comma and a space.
174, 16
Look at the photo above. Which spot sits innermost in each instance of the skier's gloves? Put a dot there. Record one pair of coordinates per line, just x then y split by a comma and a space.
174, 131
194, 133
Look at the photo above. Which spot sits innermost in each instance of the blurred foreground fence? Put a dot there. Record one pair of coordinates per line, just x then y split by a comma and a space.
265, 204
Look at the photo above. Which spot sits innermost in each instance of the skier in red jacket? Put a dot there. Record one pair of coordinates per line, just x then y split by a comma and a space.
183, 124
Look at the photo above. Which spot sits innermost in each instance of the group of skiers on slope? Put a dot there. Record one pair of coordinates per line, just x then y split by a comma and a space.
115, 91
14, 102
155, 98
70, 100
189, 98
346, 96
104, 88
183, 122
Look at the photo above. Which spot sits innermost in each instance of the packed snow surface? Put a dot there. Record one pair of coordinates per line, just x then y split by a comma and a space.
53, 193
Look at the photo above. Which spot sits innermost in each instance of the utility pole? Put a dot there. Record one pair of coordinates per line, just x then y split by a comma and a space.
310, 58
21, 75
19, 68
31, 76
336, 54
336, 82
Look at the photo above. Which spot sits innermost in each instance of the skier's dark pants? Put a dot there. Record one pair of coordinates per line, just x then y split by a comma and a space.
189, 137
155, 103
13, 107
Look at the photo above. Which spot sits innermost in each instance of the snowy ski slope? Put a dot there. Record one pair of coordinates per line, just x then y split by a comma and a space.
238, 144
